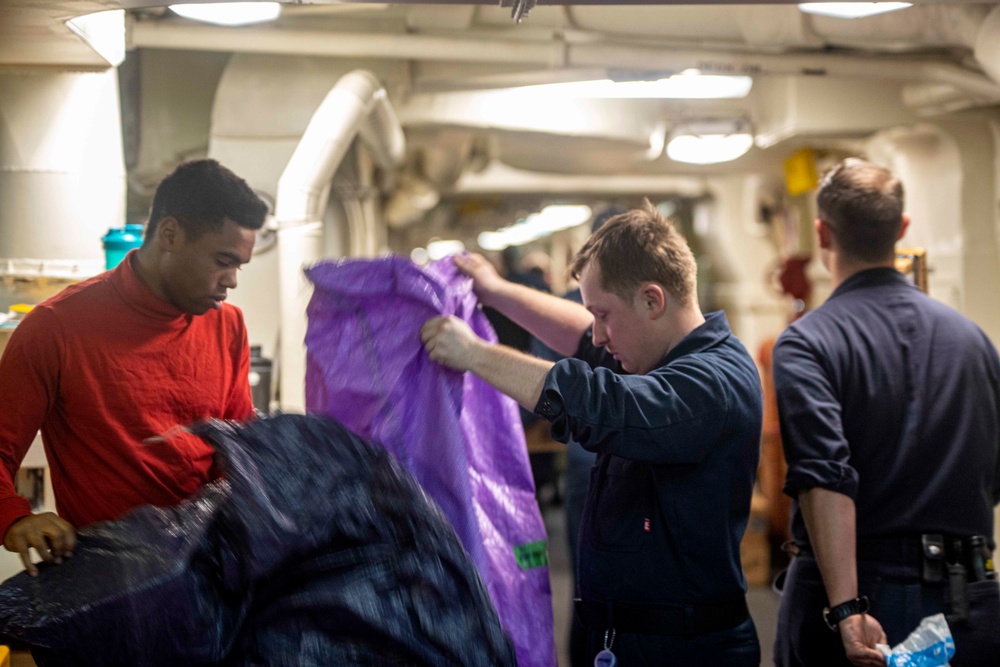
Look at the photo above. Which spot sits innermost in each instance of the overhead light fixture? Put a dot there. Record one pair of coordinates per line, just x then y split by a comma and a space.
435, 250
709, 141
851, 10
104, 32
229, 13
549, 220
439, 249
689, 84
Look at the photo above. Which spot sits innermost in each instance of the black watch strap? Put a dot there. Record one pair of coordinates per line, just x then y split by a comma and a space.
834, 615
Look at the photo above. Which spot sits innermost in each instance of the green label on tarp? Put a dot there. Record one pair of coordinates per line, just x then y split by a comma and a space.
531, 555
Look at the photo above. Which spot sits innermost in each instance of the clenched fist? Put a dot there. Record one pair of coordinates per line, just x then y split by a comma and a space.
450, 341
859, 634
485, 280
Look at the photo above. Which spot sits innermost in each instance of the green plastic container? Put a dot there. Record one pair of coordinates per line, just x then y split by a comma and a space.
118, 241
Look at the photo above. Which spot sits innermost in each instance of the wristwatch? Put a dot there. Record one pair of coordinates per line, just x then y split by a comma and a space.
834, 615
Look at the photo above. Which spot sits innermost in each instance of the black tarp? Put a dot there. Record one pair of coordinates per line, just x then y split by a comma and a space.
316, 549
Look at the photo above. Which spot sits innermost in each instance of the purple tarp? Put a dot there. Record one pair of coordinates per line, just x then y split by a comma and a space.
458, 436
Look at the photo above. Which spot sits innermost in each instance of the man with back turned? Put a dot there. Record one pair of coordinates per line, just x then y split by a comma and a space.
890, 418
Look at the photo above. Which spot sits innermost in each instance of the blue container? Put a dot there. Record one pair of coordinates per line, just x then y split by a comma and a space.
118, 241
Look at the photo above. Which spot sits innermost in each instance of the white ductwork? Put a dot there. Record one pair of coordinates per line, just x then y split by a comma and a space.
785, 26
893, 69
918, 28
499, 179
586, 53
345, 44
987, 45
768, 27
62, 176
357, 104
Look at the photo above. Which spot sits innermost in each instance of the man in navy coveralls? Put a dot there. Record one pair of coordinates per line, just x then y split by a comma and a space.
671, 403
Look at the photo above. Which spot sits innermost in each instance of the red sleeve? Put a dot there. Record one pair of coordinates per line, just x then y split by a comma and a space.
29, 385
240, 403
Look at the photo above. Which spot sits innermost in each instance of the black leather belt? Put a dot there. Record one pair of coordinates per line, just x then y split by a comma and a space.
915, 550
673, 620
948, 561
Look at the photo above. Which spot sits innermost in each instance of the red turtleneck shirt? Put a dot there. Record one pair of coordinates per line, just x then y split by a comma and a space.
103, 369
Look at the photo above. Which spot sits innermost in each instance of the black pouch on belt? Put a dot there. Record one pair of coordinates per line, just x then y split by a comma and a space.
958, 586
933, 558
958, 592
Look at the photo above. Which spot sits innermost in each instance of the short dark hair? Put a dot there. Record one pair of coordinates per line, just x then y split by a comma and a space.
862, 204
639, 246
201, 194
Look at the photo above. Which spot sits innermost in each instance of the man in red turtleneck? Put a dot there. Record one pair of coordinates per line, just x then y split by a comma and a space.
109, 368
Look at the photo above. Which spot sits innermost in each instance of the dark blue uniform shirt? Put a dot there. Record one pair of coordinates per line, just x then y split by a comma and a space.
891, 398
677, 454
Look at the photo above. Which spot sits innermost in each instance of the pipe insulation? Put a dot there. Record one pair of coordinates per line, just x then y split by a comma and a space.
714, 62
356, 105
987, 47
344, 44
560, 54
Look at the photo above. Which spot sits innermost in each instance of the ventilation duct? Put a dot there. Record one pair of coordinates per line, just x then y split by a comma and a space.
357, 105
724, 43
987, 47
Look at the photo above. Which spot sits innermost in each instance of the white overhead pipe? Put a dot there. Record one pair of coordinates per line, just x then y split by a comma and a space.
344, 44
560, 54
357, 104
987, 46
717, 62
932, 96
499, 178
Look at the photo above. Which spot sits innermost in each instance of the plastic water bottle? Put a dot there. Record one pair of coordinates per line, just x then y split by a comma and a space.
118, 241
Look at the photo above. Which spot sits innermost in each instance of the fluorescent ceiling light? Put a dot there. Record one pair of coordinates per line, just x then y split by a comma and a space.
230, 13
537, 225
104, 32
690, 84
851, 10
440, 249
709, 142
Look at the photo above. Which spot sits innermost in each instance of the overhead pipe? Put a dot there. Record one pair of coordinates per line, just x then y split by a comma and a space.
987, 46
499, 178
561, 54
357, 104
752, 64
344, 44
925, 96
770, 26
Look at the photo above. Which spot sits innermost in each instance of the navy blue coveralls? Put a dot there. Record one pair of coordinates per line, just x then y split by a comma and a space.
893, 399
669, 499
